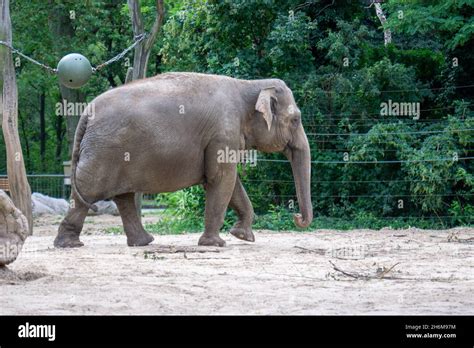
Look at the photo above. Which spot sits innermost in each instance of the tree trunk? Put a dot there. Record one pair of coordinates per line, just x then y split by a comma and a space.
24, 135
71, 96
42, 113
62, 27
59, 137
19, 188
387, 34
143, 49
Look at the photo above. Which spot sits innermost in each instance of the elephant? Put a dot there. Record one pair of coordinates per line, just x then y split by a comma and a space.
163, 133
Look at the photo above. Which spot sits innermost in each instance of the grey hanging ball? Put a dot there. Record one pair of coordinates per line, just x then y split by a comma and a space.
74, 70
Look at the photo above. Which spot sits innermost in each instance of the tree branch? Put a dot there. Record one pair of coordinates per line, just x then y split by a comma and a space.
136, 16
387, 34
160, 13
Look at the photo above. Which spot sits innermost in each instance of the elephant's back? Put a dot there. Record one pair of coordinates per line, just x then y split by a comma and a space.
146, 138
165, 109
167, 95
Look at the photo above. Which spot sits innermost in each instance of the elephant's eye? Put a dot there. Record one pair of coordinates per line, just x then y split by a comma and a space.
295, 121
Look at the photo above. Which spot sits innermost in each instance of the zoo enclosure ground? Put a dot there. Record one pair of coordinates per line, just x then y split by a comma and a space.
407, 271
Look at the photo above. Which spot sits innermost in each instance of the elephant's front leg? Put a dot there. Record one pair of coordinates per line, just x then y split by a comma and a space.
241, 204
220, 182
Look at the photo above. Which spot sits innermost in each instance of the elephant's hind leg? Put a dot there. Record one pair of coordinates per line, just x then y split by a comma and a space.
241, 204
136, 234
71, 226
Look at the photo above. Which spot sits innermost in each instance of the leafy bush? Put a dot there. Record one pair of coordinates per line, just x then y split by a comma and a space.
184, 211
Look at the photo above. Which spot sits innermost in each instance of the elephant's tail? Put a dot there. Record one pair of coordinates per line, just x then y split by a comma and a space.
80, 131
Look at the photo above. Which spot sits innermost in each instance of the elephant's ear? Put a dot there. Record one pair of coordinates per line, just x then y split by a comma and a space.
264, 104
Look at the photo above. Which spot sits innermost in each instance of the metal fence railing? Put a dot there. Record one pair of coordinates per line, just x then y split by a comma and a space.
54, 185
51, 185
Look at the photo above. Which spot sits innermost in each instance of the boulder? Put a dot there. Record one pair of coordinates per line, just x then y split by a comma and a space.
43, 204
13, 230
105, 207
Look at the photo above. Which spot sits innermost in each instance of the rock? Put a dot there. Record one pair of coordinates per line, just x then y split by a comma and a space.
105, 207
40, 209
43, 204
13, 230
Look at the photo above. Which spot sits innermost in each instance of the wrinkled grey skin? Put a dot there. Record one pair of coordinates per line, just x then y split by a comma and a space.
168, 150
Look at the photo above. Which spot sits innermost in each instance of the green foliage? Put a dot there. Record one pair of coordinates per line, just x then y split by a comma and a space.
450, 19
184, 211
332, 55
287, 46
461, 213
277, 218
345, 42
340, 72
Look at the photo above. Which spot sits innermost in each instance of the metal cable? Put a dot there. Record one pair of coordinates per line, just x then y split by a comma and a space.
392, 133
373, 162
34, 61
119, 56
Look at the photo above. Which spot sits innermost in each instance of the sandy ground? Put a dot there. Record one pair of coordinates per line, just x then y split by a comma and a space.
320, 272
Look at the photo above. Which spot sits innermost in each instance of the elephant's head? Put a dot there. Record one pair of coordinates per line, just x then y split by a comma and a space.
275, 126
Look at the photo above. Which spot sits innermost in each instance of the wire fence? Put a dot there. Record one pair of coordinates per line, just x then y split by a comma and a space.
450, 159
52, 185
58, 186
336, 151
333, 135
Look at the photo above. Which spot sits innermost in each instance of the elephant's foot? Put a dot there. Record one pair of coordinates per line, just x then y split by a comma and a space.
211, 240
243, 233
66, 240
139, 239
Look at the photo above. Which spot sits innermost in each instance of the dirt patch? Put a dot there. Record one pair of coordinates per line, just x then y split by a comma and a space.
321, 272
7, 276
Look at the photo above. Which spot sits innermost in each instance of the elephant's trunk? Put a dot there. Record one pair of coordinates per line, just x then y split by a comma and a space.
300, 159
